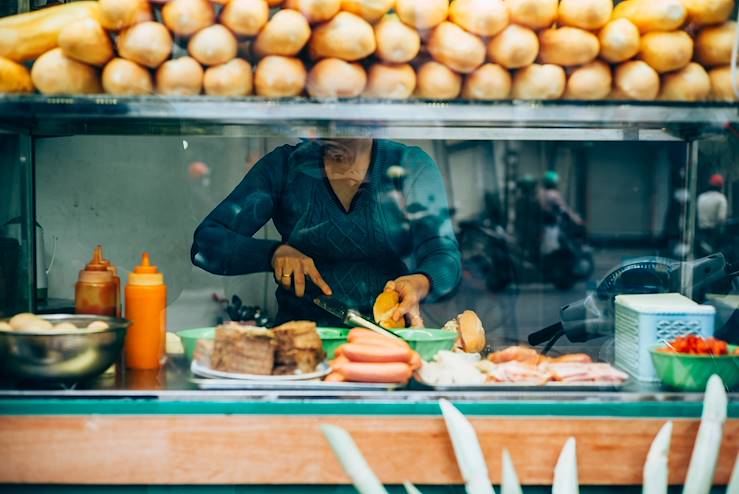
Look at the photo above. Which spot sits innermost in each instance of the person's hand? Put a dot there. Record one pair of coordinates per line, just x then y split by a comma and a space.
292, 266
411, 289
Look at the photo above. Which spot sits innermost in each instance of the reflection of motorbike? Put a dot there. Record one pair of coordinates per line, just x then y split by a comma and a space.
488, 250
724, 240
593, 316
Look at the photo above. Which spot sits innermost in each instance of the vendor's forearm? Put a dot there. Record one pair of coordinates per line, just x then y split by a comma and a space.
444, 271
223, 252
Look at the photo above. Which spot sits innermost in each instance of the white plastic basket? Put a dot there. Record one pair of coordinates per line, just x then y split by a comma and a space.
645, 320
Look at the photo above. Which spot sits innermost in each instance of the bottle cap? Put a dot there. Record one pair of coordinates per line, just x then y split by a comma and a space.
145, 273
108, 265
97, 263
96, 271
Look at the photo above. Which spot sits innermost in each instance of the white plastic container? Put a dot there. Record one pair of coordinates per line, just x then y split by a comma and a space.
645, 320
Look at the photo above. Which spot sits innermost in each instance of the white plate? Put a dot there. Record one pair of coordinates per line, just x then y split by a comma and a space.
203, 371
305, 386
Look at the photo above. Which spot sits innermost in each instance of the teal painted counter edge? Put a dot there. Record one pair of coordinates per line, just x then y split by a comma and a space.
330, 407
294, 489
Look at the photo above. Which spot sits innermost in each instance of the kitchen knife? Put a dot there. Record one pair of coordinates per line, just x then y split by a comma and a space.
349, 316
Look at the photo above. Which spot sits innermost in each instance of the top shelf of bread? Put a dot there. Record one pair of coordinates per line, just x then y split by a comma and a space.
251, 116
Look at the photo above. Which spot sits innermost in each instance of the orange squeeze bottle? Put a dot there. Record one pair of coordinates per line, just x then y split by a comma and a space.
146, 308
94, 292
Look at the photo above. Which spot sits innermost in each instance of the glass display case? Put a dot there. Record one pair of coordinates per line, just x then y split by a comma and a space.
140, 174
532, 214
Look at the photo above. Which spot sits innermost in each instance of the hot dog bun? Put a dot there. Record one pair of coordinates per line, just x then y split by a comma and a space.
471, 333
385, 305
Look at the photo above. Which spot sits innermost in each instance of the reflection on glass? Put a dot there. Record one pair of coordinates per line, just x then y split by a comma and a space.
530, 235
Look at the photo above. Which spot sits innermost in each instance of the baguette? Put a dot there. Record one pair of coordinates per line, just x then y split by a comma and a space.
690, 83
335, 78
27, 36
86, 40
539, 82
390, 81
666, 51
489, 82
55, 73
722, 87
567, 46
456, 48
120, 14
124, 77
14, 77
230, 79
652, 15
396, 42
437, 81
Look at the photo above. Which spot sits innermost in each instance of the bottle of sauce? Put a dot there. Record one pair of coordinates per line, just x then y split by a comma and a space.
116, 280
94, 292
146, 308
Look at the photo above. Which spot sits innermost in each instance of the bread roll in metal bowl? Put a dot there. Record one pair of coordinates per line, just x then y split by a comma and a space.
62, 355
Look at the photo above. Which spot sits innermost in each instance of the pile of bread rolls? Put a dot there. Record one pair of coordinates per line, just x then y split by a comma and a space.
676, 50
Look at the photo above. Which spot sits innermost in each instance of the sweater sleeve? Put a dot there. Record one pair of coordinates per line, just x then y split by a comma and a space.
435, 247
223, 243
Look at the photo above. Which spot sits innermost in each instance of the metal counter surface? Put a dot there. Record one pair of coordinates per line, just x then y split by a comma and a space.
169, 391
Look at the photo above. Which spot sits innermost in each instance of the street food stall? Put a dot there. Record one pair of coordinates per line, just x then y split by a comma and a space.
227, 225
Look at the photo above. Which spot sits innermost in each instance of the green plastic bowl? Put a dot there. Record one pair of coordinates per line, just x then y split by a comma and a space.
428, 342
332, 339
190, 337
691, 372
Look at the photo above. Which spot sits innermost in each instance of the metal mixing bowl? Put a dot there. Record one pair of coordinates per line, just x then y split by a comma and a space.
63, 355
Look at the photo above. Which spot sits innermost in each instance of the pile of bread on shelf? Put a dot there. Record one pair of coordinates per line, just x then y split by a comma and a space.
433, 49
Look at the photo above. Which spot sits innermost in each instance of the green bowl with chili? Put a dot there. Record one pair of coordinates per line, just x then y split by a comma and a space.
428, 342
691, 372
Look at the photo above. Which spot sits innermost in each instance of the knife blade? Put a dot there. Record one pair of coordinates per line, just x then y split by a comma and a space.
349, 316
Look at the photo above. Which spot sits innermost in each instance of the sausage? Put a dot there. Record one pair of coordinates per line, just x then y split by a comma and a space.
388, 372
415, 361
360, 352
367, 337
339, 360
334, 377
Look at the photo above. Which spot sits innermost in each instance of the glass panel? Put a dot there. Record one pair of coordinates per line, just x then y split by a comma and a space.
539, 225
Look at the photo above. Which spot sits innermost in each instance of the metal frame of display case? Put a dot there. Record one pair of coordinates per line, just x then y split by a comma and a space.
94, 420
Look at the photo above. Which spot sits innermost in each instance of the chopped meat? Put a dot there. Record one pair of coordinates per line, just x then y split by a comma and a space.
243, 350
298, 347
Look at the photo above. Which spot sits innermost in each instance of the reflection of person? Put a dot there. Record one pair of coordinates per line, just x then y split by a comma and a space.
349, 222
528, 217
551, 200
712, 210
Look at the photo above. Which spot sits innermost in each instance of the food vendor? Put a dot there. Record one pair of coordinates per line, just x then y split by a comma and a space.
355, 216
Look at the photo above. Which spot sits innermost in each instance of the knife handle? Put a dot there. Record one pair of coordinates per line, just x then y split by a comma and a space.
354, 318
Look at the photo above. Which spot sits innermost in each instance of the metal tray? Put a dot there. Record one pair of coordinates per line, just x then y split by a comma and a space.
548, 387
225, 384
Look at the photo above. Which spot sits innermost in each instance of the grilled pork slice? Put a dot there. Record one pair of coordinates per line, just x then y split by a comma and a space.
515, 353
514, 372
584, 372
